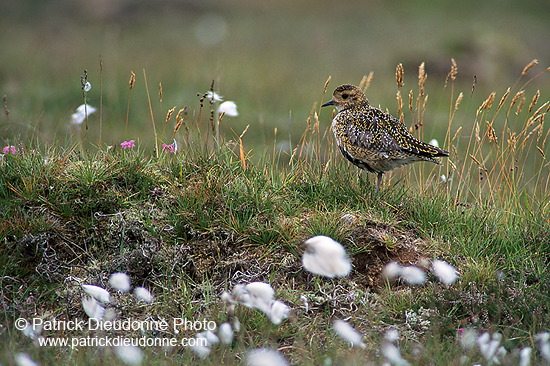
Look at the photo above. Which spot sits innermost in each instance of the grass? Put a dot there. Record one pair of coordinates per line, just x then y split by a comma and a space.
192, 224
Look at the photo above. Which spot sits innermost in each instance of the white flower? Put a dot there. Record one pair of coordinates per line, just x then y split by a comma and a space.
23, 359
225, 333
326, 257
525, 356
98, 293
434, 143
92, 308
413, 275
120, 281
213, 96
129, 354
143, 294
393, 355
444, 272
279, 311
348, 333
391, 271
229, 108
81, 113
264, 357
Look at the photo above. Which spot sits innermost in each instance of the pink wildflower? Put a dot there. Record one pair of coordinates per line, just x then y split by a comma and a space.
9, 150
170, 149
128, 144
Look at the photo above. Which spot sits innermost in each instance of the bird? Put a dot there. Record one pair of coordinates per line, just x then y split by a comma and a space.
372, 139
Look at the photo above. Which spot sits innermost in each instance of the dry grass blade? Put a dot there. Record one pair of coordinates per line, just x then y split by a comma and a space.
399, 103
242, 155
326, 84
475, 160
366, 81
160, 92
422, 76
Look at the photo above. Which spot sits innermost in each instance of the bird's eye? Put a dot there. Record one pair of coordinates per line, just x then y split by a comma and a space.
345, 96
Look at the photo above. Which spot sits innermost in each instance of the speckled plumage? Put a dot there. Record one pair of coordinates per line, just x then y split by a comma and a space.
372, 139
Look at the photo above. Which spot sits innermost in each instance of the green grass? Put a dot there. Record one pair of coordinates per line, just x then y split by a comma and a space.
191, 225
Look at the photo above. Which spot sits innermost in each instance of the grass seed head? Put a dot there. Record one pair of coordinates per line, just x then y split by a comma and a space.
529, 66
399, 75
132, 80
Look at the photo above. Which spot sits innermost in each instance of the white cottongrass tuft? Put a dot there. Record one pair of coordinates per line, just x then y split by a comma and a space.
444, 272
79, 116
92, 308
260, 295
525, 356
200, 347
391, 271
434, 142
264, 357
143, 294
392, 335
32, 330
543, 339
348, 333
120, 281
278, 312
23, 359
413, 275
210, 336
229, 108
393, 354
325, 257
467, 338
489, 345
98, 293
305, 302
130, 355
225, 333
213, 96
444, 178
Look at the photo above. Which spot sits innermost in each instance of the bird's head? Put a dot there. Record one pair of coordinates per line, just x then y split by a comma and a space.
347, 96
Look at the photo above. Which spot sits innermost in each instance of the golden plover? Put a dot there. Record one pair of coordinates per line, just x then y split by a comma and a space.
372, 139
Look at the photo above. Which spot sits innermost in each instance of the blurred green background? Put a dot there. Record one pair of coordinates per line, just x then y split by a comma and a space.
271, 57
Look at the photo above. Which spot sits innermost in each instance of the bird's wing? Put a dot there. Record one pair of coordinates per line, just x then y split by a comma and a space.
368, 134
404, 140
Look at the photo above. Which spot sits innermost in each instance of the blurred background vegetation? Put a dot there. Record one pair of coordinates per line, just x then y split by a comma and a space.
271, 57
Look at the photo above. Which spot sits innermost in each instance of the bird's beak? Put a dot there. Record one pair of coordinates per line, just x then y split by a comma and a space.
330, 102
